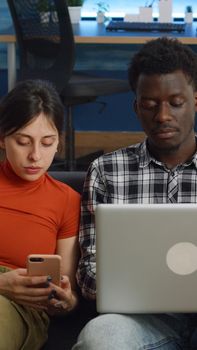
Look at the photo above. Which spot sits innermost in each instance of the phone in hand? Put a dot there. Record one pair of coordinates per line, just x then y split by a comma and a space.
45, 265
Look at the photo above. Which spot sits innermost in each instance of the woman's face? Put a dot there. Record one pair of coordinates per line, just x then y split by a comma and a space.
31, 149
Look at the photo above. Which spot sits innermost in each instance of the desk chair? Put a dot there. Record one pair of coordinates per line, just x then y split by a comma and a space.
47, 51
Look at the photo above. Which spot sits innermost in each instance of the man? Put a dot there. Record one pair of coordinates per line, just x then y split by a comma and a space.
162, 169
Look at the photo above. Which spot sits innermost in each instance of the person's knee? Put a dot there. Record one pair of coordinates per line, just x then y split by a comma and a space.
7, 312
103, 325
103, 332
116, 331
11, 325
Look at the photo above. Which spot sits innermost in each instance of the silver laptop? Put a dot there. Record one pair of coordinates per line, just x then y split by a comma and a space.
146, 258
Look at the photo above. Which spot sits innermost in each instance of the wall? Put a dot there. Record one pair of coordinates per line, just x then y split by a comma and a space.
104, 60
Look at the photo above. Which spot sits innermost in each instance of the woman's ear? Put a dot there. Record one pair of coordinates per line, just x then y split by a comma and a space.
60, 144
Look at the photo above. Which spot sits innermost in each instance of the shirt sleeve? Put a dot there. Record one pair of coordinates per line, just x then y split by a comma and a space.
93, 194
71, 216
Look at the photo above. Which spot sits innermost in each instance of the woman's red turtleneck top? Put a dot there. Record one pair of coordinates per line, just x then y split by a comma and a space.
34, 215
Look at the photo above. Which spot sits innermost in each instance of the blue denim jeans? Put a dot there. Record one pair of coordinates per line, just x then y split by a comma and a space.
139, 332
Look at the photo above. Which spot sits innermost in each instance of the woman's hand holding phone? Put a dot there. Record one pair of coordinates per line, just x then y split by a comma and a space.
19, 287
37, 289
62, 298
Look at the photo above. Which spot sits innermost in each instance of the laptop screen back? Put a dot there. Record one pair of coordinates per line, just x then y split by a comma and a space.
146, 258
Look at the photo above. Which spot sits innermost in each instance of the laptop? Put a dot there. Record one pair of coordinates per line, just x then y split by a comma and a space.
146, 258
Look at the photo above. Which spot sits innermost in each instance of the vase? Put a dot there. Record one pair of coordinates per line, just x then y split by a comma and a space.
188, 17
75, 13
145, 14
100, 17
165, 11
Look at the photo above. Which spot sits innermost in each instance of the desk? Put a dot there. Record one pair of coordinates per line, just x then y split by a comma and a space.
89, 32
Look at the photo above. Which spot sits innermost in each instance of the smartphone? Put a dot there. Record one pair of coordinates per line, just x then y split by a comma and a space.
45, 265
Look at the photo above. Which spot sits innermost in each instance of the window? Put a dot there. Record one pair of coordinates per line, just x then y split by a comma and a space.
118, 8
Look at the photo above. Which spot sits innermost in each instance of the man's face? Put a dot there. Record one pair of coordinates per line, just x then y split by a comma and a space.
166, 105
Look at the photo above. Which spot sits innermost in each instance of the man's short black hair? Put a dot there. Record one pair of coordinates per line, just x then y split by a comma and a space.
161, 56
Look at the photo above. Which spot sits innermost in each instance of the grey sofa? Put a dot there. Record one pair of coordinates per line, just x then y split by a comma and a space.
63, 331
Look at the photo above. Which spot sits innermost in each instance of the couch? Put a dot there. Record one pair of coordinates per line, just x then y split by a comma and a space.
63, 330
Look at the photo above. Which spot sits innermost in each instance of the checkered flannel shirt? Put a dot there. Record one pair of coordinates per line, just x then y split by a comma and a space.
128, 175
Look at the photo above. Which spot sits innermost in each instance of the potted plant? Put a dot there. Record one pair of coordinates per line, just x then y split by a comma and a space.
75, 2
43, 5
101, 10
43, 9
74, 7
46, 11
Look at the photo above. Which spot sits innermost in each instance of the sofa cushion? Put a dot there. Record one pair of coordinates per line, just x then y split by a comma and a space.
75, 179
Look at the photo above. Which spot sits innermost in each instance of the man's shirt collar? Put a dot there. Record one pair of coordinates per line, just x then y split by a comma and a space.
145, 157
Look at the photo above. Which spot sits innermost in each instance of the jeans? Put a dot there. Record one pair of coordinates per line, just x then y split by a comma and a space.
139, 332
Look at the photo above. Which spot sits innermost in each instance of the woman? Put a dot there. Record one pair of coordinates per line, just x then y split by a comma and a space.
38, 215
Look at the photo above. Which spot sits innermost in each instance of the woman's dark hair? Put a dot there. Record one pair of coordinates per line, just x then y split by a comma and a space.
26, 101
162, 56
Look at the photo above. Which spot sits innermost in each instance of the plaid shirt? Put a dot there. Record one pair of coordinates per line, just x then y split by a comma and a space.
128, 175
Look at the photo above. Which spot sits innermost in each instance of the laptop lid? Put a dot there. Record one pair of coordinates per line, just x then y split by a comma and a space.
146, 258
